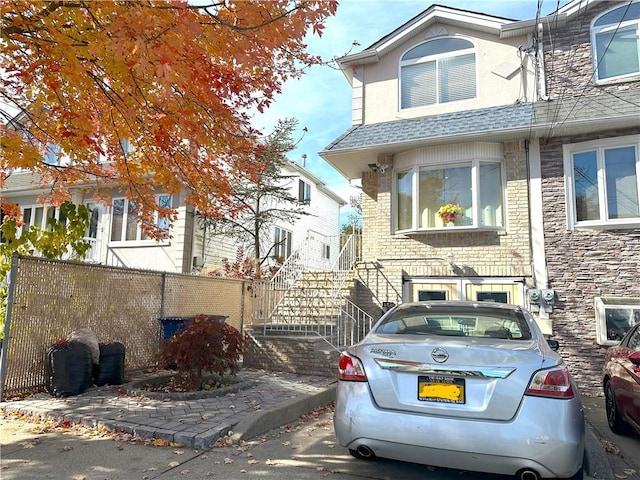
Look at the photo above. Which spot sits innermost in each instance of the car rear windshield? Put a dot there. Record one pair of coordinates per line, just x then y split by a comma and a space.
468, 322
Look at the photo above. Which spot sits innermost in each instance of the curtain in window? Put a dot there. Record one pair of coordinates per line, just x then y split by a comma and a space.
419, 85
457, 78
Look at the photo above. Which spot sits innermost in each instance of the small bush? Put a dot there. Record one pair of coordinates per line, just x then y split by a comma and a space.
206, 346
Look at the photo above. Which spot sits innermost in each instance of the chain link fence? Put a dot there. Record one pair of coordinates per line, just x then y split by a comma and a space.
51, 298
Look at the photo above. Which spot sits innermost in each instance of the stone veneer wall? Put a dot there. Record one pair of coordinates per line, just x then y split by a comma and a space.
567, 57
387, 258
583, 264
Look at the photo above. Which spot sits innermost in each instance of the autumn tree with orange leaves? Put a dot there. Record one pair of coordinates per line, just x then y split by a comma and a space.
177, 81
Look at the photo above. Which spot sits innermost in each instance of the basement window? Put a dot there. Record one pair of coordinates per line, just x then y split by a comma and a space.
614, 317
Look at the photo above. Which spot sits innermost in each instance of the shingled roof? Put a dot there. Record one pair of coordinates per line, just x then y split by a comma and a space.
479, 121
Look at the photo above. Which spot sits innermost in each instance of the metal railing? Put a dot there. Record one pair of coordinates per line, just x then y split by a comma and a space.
353, 324
314, 310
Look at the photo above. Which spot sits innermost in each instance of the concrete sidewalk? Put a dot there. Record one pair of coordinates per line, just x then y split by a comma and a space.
266, 400
258, 402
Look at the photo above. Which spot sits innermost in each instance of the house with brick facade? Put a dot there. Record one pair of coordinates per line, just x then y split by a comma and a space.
468, 133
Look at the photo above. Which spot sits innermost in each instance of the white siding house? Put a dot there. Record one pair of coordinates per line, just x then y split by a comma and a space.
117, 240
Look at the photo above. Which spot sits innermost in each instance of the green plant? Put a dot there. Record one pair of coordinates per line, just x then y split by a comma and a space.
205, 346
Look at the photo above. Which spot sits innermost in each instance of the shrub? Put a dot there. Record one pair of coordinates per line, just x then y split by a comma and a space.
205, 346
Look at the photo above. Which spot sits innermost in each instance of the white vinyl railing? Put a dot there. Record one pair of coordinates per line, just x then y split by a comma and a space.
327, 313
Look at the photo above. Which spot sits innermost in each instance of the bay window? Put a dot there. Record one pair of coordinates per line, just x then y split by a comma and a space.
474, 189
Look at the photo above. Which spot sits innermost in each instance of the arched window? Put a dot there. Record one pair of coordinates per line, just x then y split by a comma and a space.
615, 41
438, 71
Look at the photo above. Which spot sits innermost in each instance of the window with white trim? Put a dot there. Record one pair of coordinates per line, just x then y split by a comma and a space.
615, 43
438, 71
304, 192
614, 317
603, 182
282, 242
38, 216
124, 223
476, 187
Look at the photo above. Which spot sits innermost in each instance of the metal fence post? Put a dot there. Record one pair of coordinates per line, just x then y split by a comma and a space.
7, 322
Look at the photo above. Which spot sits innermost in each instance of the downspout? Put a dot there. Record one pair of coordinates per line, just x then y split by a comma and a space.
542, 79
530, 225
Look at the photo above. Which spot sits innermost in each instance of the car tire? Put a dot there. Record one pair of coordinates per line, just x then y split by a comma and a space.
616, 423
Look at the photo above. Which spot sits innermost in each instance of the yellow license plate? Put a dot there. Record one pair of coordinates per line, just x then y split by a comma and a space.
440, 388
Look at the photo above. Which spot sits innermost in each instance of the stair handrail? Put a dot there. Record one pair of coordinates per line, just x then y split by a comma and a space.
287, 275
353, 324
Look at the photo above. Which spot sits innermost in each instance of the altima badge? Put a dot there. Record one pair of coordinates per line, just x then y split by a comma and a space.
384, 351
439, 355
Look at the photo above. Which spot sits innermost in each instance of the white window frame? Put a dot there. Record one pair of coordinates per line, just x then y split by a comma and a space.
48, 211
438, 58
613, 28
141, 238
475, 198
613, 303
283, 240
599, 146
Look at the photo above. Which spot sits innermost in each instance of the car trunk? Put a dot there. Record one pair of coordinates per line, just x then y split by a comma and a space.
475, 378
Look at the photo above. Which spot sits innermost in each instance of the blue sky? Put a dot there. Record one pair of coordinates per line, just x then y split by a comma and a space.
321, 99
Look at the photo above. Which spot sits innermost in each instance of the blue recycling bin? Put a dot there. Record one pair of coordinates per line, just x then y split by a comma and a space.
171, 325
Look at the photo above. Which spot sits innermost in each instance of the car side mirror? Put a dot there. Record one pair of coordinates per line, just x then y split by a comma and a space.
635, 358
554, 344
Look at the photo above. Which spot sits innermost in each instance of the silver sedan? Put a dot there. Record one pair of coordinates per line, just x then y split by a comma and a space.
471, 386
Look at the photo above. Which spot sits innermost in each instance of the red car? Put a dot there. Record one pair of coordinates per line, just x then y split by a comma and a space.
621, 382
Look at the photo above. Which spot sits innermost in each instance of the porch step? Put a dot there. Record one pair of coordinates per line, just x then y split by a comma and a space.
293, 329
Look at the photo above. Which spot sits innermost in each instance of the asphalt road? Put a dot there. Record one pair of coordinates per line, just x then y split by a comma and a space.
302, 450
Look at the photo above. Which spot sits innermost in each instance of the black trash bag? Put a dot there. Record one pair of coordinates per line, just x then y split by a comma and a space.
111, 366
69, 368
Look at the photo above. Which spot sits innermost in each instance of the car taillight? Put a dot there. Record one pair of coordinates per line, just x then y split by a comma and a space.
551, 383
350, 368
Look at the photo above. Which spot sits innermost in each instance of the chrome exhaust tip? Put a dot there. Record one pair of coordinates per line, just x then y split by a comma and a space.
365, 452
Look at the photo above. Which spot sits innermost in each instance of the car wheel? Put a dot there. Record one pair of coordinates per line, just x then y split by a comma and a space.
616, 424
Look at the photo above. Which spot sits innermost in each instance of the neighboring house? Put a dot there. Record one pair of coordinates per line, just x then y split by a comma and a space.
117, 240
318, 231
485, 113
589, 185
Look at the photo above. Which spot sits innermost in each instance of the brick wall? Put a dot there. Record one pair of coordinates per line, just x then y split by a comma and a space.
387, 257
